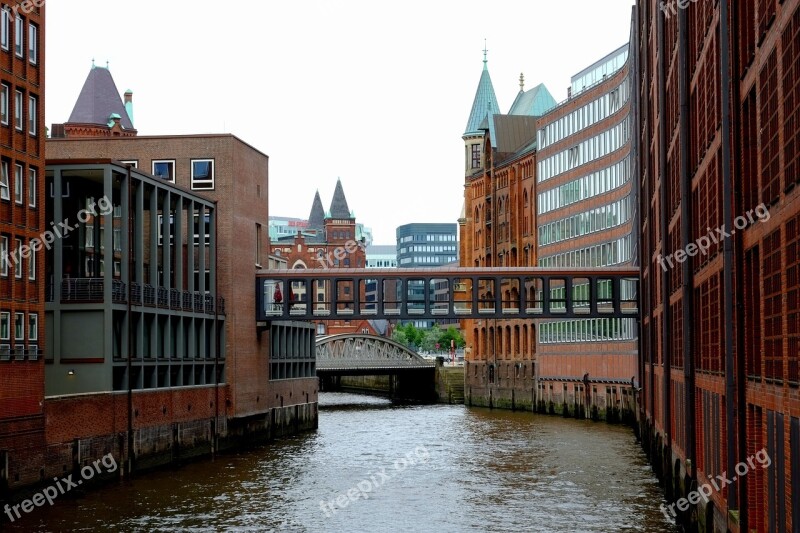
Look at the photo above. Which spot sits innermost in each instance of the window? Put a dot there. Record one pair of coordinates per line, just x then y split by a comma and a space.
203, 174
18, 110
4, 28
33, 327
19, 326
132, 162
476, 156
18, 258
258, 245
32, 187
19, 172
33, 44
4, 95
3, 256
164, 169
19, 35
32, 114
31, 265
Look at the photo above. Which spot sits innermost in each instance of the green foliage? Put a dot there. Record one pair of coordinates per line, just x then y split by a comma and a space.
427, 339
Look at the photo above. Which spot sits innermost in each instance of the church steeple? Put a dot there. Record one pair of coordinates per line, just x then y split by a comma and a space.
316, 220
485, 101
339, 207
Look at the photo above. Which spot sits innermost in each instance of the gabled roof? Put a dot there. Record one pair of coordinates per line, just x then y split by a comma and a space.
509, 133
485, 103
533, 102
339, 207
316, 219
99, 99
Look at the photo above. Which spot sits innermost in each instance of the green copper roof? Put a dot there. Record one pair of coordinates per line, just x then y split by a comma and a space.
533, 102
485, 103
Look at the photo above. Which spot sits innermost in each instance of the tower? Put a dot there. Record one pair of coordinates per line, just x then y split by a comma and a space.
484, 104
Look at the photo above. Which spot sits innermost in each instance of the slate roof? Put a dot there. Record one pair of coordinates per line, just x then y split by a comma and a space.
99, 99
316, 219
485, 103
509, 133
339, 207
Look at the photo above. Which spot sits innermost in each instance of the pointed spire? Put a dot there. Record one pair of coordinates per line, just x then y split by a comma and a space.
485, 51
339, 207
485, 102
98, 100
316, 220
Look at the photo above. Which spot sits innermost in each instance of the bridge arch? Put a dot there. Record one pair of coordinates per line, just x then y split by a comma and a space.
364, 353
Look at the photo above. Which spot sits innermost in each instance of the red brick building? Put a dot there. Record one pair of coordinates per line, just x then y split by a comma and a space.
22, 219
328, 241
718, 110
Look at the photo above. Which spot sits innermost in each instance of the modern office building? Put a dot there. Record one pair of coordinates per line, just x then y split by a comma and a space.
425, 245
22, 222
382, 256
718, 110
586, 207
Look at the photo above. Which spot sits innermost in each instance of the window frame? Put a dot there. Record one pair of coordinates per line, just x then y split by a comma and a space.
19, 120
19, 327
33, 177
19, 176
31, 264
5, 30
194, 180
167, 161
5, 103
4, 256
33, 44
18, 263
33, 332
33, 109
19, 36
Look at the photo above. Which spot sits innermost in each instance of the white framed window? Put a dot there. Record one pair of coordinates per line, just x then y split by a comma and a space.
5, 326
117, 236
18, 258
164, 169
19, 173
33, 44
19, 36
89, 243
3, 256
5, 93
4, 29
203, 174
32, 114
19, 326
32, 265
32, 188
33, 327
18, 121
132, 162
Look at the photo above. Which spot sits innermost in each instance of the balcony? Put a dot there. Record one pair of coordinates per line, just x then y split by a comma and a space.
91, 290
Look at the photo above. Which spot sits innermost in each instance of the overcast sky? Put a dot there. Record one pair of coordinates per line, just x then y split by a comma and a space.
375, 93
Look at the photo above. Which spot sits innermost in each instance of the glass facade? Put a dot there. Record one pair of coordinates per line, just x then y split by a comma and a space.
584, 188
598, 219
600, 70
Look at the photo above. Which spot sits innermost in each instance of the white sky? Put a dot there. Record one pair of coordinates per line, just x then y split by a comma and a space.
376, 94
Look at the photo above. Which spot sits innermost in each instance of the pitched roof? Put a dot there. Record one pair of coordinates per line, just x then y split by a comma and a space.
339, 207
485, 103
509, 133
533, 102
316, 219
99, 99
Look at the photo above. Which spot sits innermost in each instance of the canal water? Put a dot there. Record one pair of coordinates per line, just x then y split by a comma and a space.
414, 469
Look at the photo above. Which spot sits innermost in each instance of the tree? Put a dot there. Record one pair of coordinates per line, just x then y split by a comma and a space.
451, 334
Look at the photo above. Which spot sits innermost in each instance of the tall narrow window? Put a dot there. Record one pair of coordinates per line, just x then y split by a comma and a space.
4, 29
33, 44
258, 245
4, 191
17, 258
4, 96
32, 114
476, 156
32, 187
19, 36
32, 265
18, 122
5, 326
19, 173
19, 326
33, 327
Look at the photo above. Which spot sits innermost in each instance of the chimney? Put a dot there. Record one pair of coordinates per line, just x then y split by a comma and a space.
129, 104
